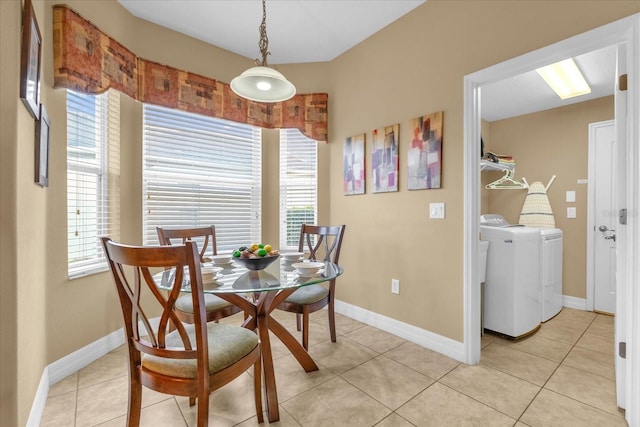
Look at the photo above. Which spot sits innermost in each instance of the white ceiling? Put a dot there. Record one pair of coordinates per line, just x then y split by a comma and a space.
298, 30
528, 93
342, 24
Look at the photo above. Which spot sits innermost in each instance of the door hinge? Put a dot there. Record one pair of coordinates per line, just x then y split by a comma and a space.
622, 82
622, 349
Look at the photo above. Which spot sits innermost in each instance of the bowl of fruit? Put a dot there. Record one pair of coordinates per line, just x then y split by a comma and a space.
255, 257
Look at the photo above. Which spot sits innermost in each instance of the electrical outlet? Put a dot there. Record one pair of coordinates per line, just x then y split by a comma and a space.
395, 286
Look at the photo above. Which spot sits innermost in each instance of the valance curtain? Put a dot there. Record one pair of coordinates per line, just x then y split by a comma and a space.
87, 60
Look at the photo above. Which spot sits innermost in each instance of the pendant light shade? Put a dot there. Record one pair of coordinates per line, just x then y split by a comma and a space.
263, 83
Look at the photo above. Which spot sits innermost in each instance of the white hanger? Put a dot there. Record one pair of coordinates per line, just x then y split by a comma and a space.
507, 182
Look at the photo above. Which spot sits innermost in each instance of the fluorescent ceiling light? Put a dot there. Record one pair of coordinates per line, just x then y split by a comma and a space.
565, 79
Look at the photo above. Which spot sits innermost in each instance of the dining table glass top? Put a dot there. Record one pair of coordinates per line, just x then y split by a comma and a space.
235, 278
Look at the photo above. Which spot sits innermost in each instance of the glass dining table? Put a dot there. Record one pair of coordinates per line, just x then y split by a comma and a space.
258, 293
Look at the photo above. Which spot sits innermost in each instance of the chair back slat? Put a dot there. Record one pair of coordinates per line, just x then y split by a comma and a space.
322, 242
133, 276
204, 236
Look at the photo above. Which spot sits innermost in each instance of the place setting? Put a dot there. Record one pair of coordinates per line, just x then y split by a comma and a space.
308, 269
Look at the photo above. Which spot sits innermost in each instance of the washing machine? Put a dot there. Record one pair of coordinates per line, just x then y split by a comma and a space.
551, 271
512, 293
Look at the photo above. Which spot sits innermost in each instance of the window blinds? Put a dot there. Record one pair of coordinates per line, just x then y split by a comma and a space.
198, 171
93, 174
298, 185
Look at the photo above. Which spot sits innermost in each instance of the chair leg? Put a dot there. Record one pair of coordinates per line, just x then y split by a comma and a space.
305, 327
332, 321
298, 322
135, 400
257, 389
203, 410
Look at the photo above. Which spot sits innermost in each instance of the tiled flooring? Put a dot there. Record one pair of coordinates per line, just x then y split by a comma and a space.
561, 376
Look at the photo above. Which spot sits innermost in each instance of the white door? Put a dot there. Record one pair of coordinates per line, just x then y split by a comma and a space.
603, 148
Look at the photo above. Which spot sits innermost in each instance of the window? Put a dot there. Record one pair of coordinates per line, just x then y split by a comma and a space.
93, 173
298, 185
199, 170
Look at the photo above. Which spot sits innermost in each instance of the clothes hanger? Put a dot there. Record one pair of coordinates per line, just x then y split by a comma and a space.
507, 182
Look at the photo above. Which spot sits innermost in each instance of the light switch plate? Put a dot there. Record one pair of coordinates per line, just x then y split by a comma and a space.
571, 196
436, 210
571, 212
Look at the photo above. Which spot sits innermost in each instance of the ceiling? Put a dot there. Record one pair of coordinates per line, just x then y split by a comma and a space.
340, 25
298, 30
528, 93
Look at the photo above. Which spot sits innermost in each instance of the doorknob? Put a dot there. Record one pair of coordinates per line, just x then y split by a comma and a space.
603, 228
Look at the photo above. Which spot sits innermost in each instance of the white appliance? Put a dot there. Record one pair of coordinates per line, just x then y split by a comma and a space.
512, 293
551, 271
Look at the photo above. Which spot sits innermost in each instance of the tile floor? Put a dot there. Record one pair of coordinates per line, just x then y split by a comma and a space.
561, 376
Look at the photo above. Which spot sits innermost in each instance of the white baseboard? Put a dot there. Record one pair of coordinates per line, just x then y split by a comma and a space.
422, 337
72, 363
573, 302
40, 400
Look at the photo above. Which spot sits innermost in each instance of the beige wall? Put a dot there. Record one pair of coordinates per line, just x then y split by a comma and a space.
553, 142
414, 67
411, 68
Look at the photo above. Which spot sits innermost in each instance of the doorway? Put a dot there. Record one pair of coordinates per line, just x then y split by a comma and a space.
601, 223
620, 32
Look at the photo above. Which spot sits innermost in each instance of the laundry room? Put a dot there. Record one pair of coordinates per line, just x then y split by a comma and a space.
541, 146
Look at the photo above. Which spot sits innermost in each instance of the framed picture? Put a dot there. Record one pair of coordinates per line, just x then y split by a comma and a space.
42, 148
30, 61
353, 160
384, 159
424, 157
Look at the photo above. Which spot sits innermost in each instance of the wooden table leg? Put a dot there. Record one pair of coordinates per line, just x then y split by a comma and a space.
267, 368
256, 318
294, 346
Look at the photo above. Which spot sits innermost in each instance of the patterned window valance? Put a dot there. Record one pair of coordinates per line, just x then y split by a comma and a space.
89, 61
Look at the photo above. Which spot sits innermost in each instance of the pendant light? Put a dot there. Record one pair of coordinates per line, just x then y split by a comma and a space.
263, 83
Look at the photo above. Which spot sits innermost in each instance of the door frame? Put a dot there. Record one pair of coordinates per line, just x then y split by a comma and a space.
591, 213
627, 32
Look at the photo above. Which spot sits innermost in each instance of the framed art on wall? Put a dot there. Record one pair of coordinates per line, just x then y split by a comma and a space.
353, 160
384, 159
424, 157
42, 149
30, 61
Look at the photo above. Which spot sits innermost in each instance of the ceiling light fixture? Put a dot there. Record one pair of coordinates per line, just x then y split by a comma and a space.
263, 83
565, 79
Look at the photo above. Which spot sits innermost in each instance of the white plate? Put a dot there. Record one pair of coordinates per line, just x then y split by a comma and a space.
211, 269
316, 274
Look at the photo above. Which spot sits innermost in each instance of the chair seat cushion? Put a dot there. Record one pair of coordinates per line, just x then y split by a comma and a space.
308, 294
211, 303
227, 345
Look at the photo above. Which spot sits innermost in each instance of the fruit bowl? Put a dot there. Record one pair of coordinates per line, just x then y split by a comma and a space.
257, 263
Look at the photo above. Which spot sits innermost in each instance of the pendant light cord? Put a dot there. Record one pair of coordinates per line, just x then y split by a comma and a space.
263, 44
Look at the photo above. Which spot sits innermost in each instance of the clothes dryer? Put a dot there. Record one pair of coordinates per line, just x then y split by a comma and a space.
551, 271
512, 294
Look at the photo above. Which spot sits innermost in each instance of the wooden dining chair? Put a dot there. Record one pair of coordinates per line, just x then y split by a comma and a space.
216, 307
323, 244
188, 359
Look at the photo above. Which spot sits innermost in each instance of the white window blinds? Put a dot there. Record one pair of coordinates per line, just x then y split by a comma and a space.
298, 185
198, 171
93, 174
